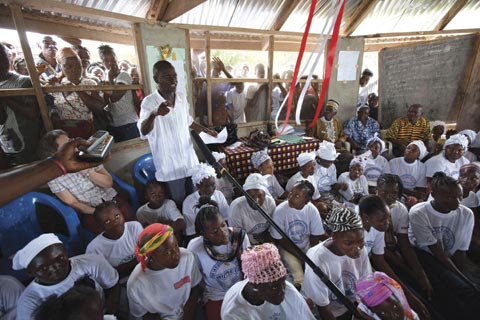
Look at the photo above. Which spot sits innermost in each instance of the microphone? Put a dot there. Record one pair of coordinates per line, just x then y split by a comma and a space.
208, 154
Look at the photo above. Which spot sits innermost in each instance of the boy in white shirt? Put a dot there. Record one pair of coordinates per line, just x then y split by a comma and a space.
301, 221
46, 259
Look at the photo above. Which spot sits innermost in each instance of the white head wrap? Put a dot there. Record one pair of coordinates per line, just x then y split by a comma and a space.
362, 160
23, 257
201, 172
306, 157
256, 181
362, 105
219, 156
259, 157
376, 138
421, 146
457, 139
327, 151
470, 134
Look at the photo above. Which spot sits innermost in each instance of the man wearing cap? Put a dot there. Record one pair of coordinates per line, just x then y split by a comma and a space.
407, 129
361, 128
46, 259
328, 127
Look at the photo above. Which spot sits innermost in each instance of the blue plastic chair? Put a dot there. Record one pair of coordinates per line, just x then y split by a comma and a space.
132, 193
19, 225
144, 169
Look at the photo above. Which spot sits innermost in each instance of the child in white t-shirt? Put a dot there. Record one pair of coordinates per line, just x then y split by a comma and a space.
412, 171
46, 259
301, 221
343, 258
203, 177
377, 164
264, 164
357, 185
236, 102
217, 251
159, 209
442, 230
375, 217
306, 164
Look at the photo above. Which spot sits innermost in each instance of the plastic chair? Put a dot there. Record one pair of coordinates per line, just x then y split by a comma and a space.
132, 193
20, 225
144, 169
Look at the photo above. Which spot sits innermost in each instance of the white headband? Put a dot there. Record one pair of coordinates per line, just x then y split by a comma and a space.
421, 147
256, 181
327, 151
201, 172
23, 257
306, 157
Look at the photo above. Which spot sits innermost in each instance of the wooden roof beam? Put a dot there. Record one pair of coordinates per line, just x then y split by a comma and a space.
157, 9
285, 12
360, 13
448, 17
178, 7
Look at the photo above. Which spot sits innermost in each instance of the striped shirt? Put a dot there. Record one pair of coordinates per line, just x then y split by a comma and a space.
403, 129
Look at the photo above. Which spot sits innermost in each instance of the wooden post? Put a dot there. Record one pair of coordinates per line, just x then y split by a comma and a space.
270, 77
209, 77
32, 71
142, 62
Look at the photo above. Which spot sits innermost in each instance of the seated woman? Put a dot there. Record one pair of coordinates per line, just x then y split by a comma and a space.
451, 158
46, 259
441, 230
264, 164
342, 258
377, 164
165, 284
264, 294
83, 190
244, 215
357, 185
412, 171
203, 177
382, 298
73, 111
217, 250
361, 128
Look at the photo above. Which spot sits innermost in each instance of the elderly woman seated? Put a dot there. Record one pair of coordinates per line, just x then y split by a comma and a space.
83, 190
73, 111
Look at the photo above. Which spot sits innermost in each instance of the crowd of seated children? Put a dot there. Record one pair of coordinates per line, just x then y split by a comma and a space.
203, 177
377, 164
217, 250
357, 185
159, 209
243, 214
264, 165
301, 221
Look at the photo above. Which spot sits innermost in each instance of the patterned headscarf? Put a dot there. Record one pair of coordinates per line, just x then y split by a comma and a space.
160, 233
332, 103
262, 264
342, 219
258, 158
374, 288
474, 166
201, 172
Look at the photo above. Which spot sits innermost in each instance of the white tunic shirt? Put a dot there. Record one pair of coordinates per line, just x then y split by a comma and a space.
168, 211
163, 291
243, 216
235, 307
169, 140
299, 225
326, 177
452, 230
341, 270
412, 174
91, 265
190, 209
298, 177
440, 163
218, 276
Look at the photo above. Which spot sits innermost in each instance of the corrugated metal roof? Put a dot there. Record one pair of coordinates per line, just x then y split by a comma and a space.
137, 8
468, 17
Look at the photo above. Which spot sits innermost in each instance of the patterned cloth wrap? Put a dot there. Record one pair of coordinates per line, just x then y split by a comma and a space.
160, 233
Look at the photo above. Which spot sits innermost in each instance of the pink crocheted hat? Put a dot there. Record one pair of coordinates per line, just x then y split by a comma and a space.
262, 264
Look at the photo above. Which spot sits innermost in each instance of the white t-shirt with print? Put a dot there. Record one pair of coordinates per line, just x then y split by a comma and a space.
298, 177
123, 110
471, 201
167, 211
163, 291
299, 225
117, 251
94, 266
359, 185
440, 163
374, 241
235, 307
274, 187
243, 216
452, 230
190, 209
399, 214
326, 177
412, 174
341, 270
218, 276
378, 166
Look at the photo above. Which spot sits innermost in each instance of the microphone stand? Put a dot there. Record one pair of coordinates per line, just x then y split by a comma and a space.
224, 173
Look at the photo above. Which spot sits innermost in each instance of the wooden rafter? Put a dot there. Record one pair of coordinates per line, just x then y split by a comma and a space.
285, 11
177, 8
157, 9
456, 7
360, 13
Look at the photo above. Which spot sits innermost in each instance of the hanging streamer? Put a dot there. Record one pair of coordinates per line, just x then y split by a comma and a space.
328, 69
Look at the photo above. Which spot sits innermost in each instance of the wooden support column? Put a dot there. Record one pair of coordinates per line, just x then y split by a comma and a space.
209, 78
271, 42
142, 61
22, 35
